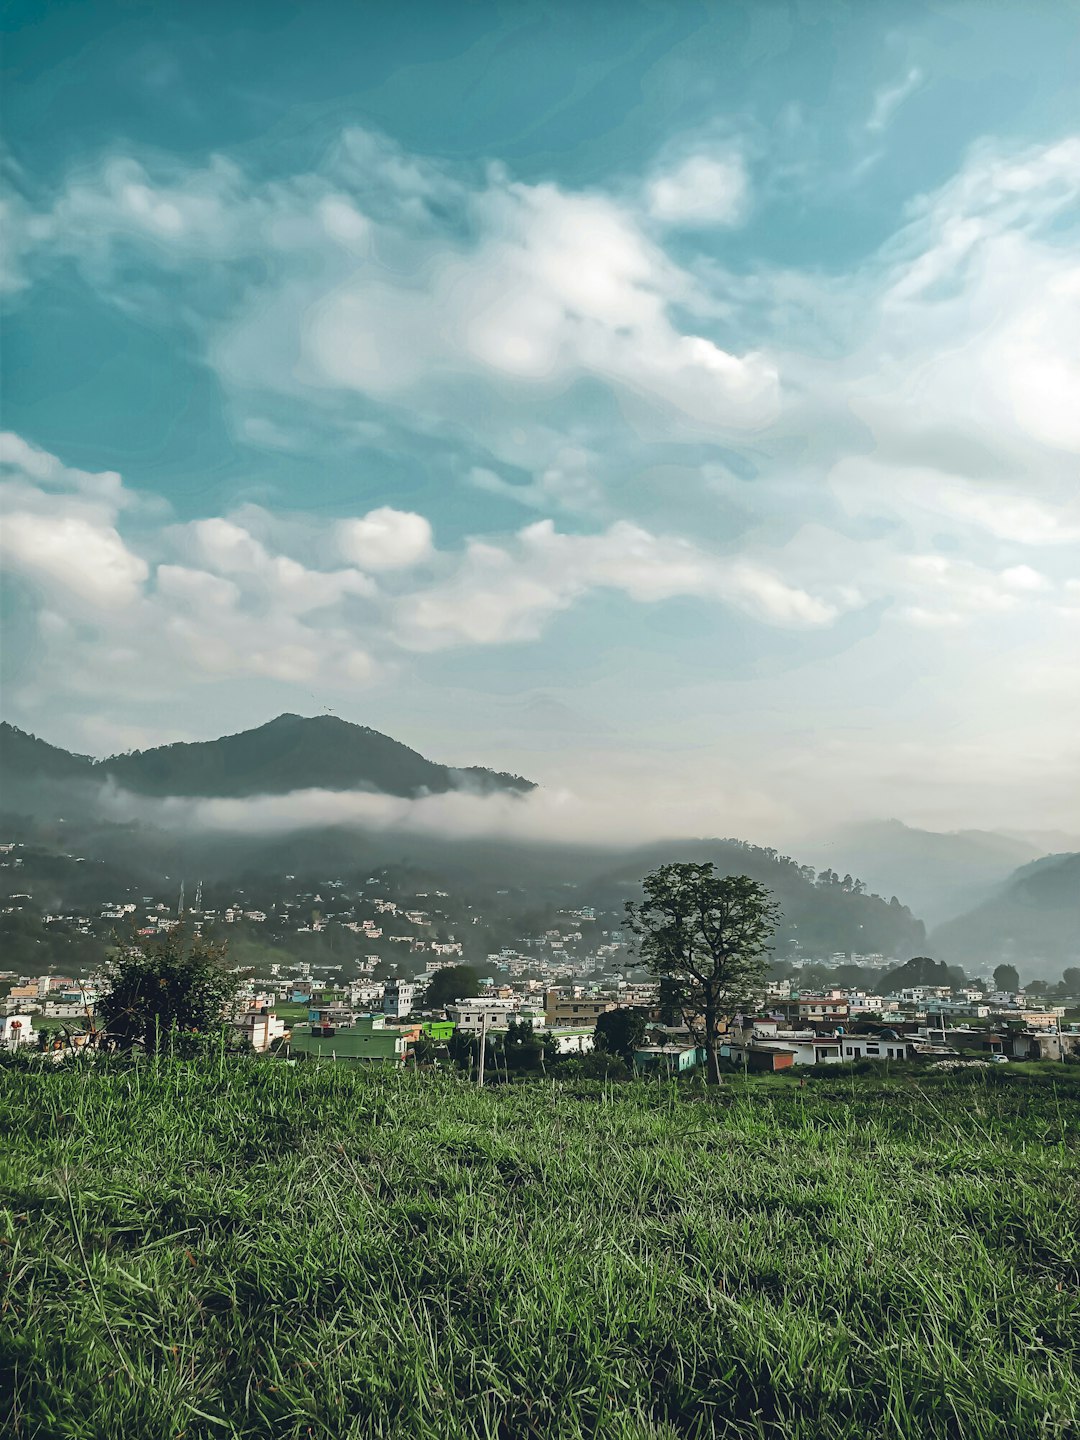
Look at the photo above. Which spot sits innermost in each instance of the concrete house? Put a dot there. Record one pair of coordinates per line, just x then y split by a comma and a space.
668, 1059
15, 1030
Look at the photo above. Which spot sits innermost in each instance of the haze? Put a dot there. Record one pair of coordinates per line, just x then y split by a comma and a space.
680, 409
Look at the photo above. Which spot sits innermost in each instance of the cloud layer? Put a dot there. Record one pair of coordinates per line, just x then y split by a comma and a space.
875, 468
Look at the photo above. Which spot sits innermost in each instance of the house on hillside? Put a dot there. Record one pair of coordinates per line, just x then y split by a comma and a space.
673, 1059
398, 998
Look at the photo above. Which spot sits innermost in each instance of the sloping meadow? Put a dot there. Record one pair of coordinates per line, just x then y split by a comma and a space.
208, 1249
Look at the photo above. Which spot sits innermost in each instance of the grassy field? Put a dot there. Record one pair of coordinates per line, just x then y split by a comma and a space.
259, 1250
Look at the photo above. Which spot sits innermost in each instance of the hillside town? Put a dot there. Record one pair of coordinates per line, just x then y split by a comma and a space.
298, 1011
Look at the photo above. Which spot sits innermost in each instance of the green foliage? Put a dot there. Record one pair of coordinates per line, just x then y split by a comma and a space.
188, 1253
620, 1032
451, 983
919, 970
1007, 977
708, 936
164, 989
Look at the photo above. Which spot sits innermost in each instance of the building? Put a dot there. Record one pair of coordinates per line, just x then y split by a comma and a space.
827, 1009
668, 1059
398, 998
15, 1030
573, 1042
369, 1041
877, 1047
1045, 1044
365, 993
562, 1010
479, 1014
261, 1028
803, 1049
438, 1030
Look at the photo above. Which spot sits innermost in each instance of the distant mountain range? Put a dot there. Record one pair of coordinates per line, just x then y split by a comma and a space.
969, 879
290, 753
939, 874
1032, 921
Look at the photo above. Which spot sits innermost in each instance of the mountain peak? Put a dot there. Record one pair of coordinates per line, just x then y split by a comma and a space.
290, 752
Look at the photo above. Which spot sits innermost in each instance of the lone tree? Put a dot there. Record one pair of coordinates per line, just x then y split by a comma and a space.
707, 936
620, 1032
162, 989
452, 982
1007, 977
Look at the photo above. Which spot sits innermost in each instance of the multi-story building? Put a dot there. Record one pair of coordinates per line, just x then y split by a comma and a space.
398, 998
574, 1011
261, 1027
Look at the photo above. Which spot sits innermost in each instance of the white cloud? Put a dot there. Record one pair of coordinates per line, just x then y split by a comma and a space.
390, 277
889, 98
499, 594
386, 539
207, 600
72, 553
702, 191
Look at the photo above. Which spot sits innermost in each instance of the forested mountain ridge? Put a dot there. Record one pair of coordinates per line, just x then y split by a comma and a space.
1033, 922
292, 752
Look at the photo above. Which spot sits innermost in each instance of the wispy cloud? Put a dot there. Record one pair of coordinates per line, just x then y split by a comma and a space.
889, 98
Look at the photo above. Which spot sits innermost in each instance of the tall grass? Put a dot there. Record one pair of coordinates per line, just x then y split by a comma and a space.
251, 1249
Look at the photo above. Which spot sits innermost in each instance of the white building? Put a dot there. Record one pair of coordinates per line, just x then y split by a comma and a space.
262, 1028
873, 1047
15, 1030
398, 998
479, 1013
365, 993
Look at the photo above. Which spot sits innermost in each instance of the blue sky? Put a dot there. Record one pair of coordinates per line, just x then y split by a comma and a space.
679, 404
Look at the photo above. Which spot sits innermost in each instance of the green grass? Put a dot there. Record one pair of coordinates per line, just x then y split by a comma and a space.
259, 1250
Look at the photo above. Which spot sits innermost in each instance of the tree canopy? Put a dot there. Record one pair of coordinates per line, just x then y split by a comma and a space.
1007, 977
451, 983
166, 987
620, 1032
707, 936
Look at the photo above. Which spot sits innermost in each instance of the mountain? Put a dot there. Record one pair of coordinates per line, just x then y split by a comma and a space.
820, 914
1032, 922
939, 874
24, 757
290, 753
499, 890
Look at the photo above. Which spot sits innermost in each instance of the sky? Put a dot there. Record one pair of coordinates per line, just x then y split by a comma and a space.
678, 404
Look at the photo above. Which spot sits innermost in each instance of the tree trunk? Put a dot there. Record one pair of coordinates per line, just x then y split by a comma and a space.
712, 1047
